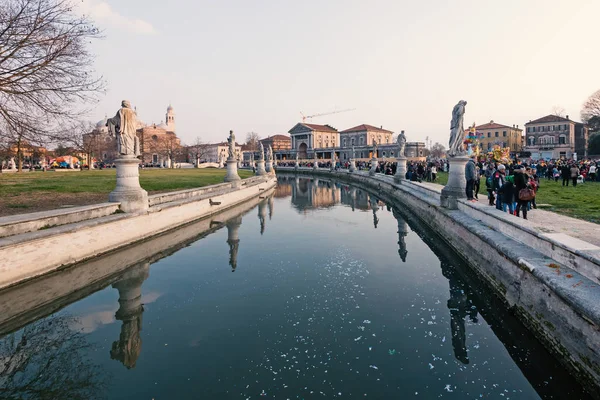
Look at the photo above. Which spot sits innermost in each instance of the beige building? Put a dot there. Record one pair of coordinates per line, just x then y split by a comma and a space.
502, 135
216, 152
554, 137
365, 135
308, 137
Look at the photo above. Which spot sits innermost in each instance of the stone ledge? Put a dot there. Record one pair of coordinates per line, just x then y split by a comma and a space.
17, 224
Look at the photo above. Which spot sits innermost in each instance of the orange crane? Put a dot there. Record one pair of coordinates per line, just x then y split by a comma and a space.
305, 117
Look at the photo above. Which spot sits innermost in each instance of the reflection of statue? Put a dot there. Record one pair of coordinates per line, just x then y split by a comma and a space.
231, 140
374, 206
271, 204
261, 156
262, 215
233, 240
123, 126
401, 144
402, 232
127, 349
460, 306
457, 132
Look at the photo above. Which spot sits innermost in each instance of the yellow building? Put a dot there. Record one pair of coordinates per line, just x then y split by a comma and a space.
502, 135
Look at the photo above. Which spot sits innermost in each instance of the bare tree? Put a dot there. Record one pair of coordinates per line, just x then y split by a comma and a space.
87, 141
252, 139
45, 67
591, 108
559, 111
198, 151
438, 150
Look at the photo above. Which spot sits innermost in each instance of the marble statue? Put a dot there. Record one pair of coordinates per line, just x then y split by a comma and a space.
231, 140
261, 154
353, 152
457, 132
297, 155
270, 153
375, 147
123, 127
401, 144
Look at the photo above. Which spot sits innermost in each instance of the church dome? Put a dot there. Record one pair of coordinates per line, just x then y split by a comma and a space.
102, 123
170, 108
162, 125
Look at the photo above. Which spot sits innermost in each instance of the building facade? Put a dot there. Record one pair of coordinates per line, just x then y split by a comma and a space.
219, 152
502, 135
308, 137
554, 137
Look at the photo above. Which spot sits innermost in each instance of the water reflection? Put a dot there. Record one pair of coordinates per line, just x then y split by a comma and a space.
127, 349
49, 360
262, 215
233, 240
402, 233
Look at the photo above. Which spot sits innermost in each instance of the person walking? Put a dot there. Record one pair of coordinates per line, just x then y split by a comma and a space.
470, 176
477, 180
566, 174
498, 180
521, 181
574, 171
489, 178
592, 172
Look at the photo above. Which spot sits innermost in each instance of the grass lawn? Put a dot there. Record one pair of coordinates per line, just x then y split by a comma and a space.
581, 202
39, 191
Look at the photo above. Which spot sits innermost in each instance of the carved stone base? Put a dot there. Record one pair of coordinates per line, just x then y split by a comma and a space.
352, 165
232, 174
128, 191
260, 168
400, 169
316, 165
457, 183
373, 166
269, 167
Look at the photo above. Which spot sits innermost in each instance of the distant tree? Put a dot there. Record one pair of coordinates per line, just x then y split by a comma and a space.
438, 150
46, 69
86, 140
591, 108
594, 123
252, 139
198, 150
559, 111
594, 144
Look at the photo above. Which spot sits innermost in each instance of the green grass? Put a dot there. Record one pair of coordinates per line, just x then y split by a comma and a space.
39, 191
582, 202
104, 181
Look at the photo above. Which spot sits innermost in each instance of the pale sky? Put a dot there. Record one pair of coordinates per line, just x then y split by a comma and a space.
255, 65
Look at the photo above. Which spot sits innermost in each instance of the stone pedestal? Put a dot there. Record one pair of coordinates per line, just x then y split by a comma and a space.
296, 166
269, 167
457, 183
315, 165
232, 174
128, 191
352, 165
12, 165
400, 169
373, 166
233, 240
260, 167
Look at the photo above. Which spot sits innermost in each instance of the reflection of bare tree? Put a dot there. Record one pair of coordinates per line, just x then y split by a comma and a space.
127, 349
47, 360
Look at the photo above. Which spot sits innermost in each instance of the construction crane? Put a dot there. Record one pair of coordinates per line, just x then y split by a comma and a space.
305, 117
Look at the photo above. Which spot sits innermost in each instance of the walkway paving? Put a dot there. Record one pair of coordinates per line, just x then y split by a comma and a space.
580, 229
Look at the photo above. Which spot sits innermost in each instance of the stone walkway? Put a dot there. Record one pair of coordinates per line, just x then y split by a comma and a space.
580, 229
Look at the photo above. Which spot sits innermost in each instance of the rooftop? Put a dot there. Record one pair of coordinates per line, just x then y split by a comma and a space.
367, 128
320, 128
494, 125
550, 118
277, 137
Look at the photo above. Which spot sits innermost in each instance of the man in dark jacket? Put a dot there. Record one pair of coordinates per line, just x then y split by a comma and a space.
498, 180
470, 176
521, 179
565, 172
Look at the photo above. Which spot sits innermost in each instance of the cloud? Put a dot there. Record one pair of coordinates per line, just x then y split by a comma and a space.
101, 11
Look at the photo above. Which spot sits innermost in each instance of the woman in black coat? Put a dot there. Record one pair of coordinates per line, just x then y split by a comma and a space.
521, 180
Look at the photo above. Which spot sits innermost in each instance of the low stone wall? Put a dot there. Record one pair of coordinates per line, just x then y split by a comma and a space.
28, 255
550, 282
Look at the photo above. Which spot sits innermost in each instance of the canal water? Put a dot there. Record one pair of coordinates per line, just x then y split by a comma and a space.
320, 291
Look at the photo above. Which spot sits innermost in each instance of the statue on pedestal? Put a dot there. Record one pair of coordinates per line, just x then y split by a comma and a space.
401, 144
123, 127
457, 132
353, 152
231, 140
375, 147
261, 155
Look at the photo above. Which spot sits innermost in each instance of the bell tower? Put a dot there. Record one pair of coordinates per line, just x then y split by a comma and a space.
170, 119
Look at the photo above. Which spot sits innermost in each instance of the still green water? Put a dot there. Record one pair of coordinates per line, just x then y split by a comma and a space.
320, 291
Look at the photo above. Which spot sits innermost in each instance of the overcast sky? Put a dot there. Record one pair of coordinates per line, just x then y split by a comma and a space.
402, 64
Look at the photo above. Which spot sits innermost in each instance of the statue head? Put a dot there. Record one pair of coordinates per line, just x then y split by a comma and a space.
463, 102
126, 104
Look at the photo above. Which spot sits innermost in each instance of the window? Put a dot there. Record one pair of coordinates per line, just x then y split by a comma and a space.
344, 142
565, 127
489, 134
504, 133
362, 139
352, 141
562, 139
527, 130
489, 146
496, 134
531, 140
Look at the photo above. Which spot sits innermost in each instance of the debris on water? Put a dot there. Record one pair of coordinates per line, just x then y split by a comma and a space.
443, 339
373, 366
366, 321
392, 352
358, 338
431, 366
448, 389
